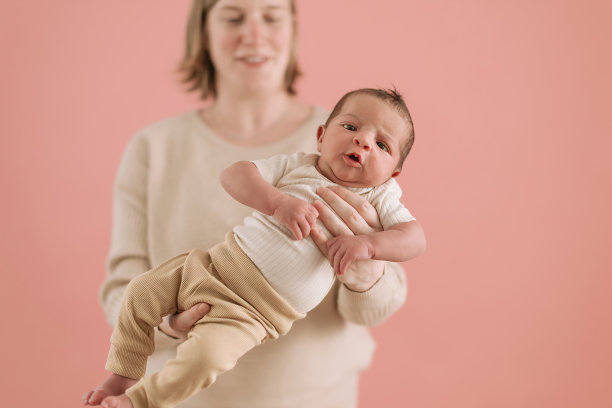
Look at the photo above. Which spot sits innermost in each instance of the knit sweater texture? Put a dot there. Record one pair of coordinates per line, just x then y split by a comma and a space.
168, 200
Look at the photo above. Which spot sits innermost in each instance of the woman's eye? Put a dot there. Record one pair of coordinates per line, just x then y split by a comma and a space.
382, 146
349, 127
272, 19
233, 18
275, 16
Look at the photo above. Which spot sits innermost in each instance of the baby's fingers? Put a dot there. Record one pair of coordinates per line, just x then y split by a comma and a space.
312, 219
338, 257
334, 256
295, 230
304, 225
345, 262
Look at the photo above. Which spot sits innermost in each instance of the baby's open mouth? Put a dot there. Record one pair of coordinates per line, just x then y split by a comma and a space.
354, 157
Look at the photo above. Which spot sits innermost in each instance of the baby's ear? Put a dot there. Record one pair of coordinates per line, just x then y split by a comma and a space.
320, 133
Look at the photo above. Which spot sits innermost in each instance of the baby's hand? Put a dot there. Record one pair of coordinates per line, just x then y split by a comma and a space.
345, 249
297, 215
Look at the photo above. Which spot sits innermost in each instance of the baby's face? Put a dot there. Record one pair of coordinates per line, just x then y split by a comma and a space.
361, 146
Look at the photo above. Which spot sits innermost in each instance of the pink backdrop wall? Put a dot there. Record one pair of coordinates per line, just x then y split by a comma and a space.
510, 177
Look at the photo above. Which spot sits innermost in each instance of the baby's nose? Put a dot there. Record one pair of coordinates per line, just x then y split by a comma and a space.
361, 142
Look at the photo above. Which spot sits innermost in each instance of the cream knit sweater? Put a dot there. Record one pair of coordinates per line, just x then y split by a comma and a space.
168, 200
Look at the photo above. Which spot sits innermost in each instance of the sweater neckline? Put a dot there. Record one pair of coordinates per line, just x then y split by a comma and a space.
307, 124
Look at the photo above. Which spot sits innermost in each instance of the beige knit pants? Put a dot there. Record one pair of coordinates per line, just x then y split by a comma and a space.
245, 311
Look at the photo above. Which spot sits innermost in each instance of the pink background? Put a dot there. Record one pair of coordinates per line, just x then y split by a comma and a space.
510, 177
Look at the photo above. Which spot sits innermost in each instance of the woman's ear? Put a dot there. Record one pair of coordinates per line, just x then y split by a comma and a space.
320, 133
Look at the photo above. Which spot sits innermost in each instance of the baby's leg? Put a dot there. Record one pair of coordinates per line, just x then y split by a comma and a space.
113, 385
148, 298
212, 348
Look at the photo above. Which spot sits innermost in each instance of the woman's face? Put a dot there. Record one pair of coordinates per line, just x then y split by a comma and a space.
250, 44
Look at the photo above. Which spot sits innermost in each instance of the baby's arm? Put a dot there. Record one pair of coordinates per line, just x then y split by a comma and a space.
243, 181
391, 245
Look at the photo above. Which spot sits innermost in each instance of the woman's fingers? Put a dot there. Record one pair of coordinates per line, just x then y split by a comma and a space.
320, 240
331, 221
357, 212
181, 323
359, 203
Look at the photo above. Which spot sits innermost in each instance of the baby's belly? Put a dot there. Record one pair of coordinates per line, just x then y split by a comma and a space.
296, 269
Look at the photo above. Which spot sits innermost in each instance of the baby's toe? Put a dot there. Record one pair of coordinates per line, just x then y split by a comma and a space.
85, 397
97, 396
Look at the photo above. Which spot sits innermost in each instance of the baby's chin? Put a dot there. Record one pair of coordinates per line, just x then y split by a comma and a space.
357, 183
347, 180
353, 183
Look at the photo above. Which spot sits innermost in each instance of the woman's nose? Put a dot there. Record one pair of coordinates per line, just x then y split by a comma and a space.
361, 142
253, 30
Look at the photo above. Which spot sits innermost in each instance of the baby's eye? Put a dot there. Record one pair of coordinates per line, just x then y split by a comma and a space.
349, 127
382, 146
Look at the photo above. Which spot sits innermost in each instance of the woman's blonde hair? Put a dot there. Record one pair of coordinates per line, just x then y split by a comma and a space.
196, 67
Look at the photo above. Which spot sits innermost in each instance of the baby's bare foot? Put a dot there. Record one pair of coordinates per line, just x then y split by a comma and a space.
113, 385
121, 401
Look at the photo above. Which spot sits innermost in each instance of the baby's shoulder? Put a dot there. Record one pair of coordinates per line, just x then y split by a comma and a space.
390, 188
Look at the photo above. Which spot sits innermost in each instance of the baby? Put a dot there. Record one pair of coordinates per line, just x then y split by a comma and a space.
267, 273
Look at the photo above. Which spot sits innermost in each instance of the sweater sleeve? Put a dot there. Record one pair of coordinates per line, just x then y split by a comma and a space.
128, 254
375, 305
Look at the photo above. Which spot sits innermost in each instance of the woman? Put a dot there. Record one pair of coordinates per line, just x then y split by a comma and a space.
241, 55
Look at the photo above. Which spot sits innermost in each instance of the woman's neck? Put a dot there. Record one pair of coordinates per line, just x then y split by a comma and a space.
254, 119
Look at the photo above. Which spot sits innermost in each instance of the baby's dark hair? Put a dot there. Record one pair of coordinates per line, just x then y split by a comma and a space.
393, 98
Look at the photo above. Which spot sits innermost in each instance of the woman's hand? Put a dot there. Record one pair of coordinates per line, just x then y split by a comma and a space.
178, 325
355, 216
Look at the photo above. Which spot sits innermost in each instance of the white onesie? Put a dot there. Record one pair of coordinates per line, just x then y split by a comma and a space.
296, 269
